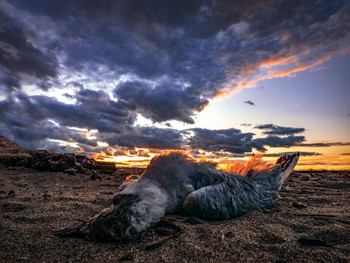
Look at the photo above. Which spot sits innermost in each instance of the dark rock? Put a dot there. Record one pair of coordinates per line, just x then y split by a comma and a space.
106, 167
299, 205
126, 256
71, 171
107, 193
304, 241
79, 168
306, 177
94, 176
43, 160
46, 195
11, 193
88, 163
229, 234
26, 162
192, 221
164, 231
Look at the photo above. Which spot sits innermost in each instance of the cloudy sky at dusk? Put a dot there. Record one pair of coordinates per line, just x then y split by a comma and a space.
124, 80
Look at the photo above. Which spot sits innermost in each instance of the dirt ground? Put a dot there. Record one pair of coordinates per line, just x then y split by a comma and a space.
309, 223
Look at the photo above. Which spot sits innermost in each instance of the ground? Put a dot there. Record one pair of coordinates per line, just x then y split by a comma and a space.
308, 223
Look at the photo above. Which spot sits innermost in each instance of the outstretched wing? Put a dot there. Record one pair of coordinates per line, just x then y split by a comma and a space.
227, 199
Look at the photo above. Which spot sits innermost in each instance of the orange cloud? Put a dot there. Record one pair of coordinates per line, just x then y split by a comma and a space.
247, 81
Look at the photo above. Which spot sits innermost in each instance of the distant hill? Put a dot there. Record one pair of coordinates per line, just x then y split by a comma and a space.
7, 146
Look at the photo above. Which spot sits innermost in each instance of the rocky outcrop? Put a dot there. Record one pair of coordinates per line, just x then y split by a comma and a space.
12, 154
46, 161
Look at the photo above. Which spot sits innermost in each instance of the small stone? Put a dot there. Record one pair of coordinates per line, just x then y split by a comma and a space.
46, 195
71, 171
164, 231
229, 234
306, 177
94, 176
299, 205
193, 221
304, 241
127, 256
11, 193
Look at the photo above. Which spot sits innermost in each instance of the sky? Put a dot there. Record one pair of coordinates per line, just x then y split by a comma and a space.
222, 80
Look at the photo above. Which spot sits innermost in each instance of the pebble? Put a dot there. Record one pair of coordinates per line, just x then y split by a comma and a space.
299, 205
95, 176
192, 221
46, 195
127, 256
229, 234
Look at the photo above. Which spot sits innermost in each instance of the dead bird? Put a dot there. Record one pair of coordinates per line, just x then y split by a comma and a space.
173, 182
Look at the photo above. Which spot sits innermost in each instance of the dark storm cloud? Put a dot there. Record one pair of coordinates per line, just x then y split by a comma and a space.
19, 56
29, 119
234, 141
249, 102
279, 130
37, 134
275, 141
229, 140
146, 137
163, 102
197, 47
93, 110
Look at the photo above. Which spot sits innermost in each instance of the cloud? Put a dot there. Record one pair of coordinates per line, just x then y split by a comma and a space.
234, 141
192, 51
279, 130
164, 60
31, 119
323, 144
43, 122
19, 56
275, 141
165, 101
288, 153
146, 137
249, 102
229, 140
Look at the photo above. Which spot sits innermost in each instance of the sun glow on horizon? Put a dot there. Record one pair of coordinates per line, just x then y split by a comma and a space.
316, 162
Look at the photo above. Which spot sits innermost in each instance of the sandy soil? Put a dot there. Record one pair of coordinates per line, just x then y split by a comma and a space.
309, 223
